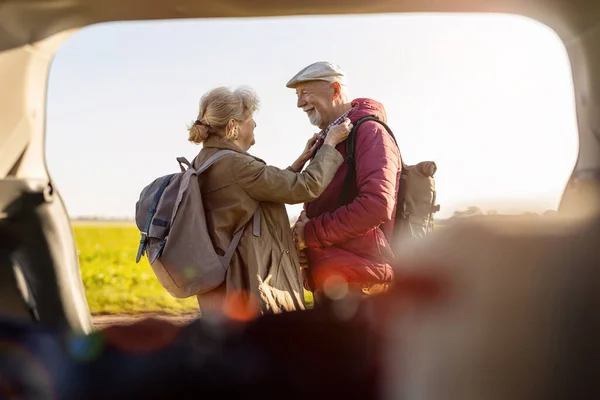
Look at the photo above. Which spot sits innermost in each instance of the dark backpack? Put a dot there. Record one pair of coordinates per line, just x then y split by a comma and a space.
416, 200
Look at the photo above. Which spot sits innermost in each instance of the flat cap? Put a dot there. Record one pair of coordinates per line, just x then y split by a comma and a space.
319, 71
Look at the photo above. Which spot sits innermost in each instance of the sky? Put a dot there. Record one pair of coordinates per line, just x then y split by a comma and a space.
488, 97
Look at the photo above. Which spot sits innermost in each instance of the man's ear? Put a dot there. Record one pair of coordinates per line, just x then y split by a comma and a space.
337, 90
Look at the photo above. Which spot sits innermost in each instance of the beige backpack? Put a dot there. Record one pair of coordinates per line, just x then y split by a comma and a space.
416, 201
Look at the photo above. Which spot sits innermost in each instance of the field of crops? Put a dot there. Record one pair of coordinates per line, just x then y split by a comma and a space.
114, 283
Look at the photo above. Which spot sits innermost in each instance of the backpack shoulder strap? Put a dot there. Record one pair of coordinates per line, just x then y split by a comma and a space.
150, 215
256, 219
351, 153
212, 159
351, 140
226, 258
380, 122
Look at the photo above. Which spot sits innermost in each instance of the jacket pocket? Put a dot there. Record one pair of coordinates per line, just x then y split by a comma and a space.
272, 272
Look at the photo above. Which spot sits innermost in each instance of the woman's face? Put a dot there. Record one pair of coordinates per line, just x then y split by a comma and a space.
245, 138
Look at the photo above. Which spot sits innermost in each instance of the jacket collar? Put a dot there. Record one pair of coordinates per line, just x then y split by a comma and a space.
216, 142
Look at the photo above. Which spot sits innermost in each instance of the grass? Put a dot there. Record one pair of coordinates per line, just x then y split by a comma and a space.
113, 282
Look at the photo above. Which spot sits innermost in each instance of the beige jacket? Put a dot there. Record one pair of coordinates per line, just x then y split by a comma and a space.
264, 269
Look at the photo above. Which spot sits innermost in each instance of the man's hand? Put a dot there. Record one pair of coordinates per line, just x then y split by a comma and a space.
299, 232
302, 258
299, 227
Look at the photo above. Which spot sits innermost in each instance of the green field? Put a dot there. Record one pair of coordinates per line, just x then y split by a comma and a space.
113, 282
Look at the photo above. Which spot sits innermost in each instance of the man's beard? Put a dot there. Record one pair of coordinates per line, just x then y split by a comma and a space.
315, 118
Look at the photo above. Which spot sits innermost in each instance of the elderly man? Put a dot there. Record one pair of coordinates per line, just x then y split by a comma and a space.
342, 236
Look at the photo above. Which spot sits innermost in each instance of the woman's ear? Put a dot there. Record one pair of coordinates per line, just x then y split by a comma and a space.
231, 124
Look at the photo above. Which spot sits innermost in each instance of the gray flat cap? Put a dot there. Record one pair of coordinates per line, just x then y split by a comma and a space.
319, 71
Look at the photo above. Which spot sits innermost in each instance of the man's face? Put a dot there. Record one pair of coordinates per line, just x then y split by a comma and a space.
316, 99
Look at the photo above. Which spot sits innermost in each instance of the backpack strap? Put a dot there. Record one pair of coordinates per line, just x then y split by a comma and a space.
212, 159
150, 215
215, 157
226, 259
350, 178
183, 161
351, 173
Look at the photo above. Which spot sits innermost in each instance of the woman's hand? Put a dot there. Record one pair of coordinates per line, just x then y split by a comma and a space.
338, 133
309, 150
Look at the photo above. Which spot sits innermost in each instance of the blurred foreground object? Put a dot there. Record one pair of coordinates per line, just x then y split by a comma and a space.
317, 354
519, 316
489, 308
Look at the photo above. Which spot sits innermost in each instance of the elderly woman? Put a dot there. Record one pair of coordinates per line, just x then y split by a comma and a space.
264, 275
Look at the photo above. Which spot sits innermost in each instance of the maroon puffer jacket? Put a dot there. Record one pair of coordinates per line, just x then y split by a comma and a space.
349, 241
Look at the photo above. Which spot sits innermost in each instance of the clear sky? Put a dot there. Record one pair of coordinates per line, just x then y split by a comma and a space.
488, 97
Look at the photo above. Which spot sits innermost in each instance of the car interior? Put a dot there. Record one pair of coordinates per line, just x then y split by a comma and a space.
467, 339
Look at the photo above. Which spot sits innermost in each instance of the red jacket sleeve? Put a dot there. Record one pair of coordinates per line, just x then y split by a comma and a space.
377, 166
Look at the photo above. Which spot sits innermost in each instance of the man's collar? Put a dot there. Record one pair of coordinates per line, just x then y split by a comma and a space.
338, 120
